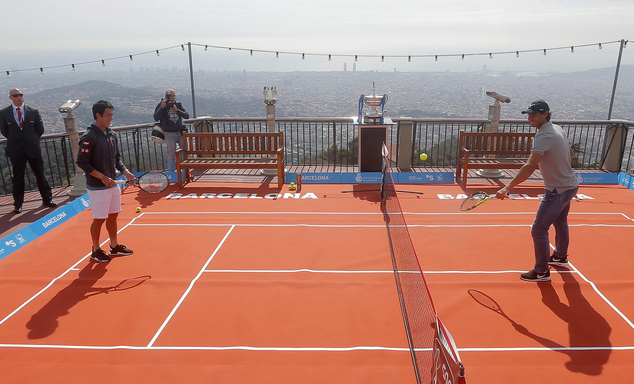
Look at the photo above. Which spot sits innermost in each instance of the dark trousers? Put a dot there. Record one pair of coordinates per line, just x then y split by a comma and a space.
19, 170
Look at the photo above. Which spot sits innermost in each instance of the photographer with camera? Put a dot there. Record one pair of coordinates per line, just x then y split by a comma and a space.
170, 113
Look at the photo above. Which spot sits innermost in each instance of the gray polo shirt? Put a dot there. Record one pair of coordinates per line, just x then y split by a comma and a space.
556, 169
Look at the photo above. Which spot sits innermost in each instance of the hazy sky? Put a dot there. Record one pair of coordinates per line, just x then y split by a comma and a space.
49, 33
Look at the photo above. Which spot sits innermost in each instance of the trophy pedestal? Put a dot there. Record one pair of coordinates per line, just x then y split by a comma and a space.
371, 140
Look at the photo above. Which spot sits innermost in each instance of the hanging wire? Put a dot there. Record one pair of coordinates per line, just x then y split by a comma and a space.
328, 55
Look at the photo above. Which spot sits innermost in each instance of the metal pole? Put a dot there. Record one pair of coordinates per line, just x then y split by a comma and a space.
616, 77
191, 78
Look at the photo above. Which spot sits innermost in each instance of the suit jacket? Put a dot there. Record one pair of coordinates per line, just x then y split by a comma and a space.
22, 142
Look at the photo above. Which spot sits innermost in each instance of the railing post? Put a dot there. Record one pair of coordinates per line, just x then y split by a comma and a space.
404, 150
613, 149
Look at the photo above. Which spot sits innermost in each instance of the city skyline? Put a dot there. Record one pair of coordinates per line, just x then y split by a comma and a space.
238, 94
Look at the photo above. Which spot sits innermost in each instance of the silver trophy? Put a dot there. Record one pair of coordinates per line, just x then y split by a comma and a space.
374, 101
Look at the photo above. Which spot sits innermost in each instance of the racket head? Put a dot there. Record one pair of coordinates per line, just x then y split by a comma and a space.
475, 199
485, 300
153, 182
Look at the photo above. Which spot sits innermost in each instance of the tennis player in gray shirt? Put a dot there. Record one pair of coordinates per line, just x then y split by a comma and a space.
551, 152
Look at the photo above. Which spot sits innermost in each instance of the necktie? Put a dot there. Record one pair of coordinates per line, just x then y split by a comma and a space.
20, 122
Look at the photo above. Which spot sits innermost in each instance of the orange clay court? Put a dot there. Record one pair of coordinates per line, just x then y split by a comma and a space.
230, 283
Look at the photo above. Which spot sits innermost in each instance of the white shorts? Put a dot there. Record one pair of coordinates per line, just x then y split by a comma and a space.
104, 202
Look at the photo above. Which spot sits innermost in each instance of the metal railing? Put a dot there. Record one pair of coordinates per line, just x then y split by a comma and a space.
333, 142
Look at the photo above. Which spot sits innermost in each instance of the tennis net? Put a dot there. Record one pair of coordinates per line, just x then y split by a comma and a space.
433, 351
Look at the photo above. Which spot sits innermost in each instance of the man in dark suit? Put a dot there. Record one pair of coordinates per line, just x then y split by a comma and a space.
22, 126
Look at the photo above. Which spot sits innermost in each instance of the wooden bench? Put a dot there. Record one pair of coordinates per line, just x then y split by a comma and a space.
491, 150
231, 151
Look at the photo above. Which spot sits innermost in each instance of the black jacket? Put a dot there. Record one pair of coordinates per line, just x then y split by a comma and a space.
99, 150
170, 120
22, 142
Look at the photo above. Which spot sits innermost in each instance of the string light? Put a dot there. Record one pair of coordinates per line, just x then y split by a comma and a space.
356, 57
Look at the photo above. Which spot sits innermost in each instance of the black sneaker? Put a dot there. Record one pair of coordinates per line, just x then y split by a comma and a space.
120, 250
100, 256
534, 276
558, 261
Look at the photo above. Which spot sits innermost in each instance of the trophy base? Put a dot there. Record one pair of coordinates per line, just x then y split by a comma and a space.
372, 119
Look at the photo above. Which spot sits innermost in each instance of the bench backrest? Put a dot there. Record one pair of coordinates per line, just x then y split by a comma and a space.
232, 143
509, 143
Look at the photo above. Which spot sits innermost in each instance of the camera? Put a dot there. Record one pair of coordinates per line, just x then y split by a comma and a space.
169, 103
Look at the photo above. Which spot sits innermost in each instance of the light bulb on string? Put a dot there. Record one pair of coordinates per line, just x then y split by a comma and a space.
157, 53
8, 74
41, 70
409, 58
544, 52
205, 47
329, 57
73, 66
103, 63
183, 47
131, 58
517, 53
572, 49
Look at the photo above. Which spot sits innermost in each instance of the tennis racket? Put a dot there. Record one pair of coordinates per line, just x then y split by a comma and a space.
475, 199
150, 182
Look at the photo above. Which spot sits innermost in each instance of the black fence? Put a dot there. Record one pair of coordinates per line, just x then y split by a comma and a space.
333, 142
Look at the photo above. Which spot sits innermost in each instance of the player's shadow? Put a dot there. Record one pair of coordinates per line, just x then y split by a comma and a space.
586, 327
45, 321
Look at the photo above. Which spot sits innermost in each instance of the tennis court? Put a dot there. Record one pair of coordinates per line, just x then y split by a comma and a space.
234, 283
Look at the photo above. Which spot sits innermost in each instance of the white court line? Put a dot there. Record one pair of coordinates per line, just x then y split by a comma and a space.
198, 348
293, 271
191, 285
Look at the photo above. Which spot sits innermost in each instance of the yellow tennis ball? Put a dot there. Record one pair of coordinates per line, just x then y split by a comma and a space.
138, 209
423, 156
